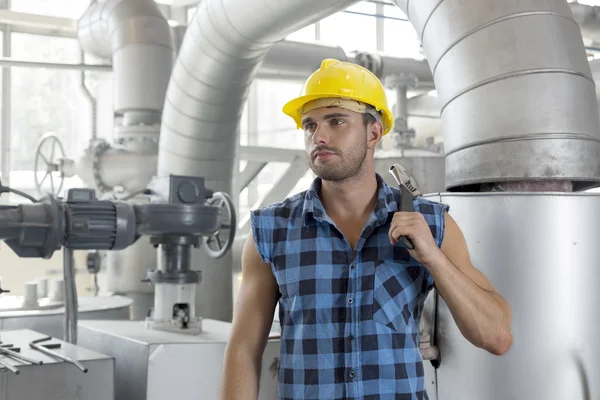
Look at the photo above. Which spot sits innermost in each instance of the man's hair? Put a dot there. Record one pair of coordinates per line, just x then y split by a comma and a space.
371, 115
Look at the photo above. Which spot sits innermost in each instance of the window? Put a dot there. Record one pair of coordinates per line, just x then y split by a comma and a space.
47, 100
275, 129
45, 48
354, 29
400, 38
56, 8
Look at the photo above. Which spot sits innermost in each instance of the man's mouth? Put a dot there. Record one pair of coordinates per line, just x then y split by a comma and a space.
323, 154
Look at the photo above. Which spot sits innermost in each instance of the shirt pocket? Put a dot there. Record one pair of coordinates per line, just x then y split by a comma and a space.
395, 291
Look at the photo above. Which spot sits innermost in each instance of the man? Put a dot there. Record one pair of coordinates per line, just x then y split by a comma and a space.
350, 294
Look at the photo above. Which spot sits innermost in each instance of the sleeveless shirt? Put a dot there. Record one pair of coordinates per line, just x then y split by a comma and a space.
349, 317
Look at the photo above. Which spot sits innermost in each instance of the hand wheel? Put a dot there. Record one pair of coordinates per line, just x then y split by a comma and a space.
218, 244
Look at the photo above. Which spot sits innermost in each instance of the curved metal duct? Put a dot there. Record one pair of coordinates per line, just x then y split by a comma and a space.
137, 37
221, 54
515, 89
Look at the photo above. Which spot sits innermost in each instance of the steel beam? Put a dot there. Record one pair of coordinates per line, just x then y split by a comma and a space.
280, 190
54, 26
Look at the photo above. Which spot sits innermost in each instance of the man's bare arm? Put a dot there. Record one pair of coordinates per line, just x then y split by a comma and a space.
481, 313
252, 320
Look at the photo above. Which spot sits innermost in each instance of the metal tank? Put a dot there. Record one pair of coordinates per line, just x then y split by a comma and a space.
42, 309
540, 251
521, 134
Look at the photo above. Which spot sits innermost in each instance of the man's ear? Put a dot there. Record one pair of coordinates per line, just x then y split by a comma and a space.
374, 134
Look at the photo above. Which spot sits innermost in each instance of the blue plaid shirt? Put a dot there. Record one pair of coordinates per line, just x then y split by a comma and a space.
349, 317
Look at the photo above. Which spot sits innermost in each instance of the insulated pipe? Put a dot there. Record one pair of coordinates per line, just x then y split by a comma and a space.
515, 89
220, 56
292, 60
136, 35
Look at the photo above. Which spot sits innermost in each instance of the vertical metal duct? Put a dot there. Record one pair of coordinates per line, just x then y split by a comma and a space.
515, 89
137, 37
220, 55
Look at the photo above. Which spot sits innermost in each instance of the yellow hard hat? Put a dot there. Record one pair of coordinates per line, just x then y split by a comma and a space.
345, 80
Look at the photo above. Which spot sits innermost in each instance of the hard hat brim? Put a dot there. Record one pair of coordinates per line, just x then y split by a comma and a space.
293, 109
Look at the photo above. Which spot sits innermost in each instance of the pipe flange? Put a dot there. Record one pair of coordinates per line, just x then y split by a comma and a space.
174, 278
124, 133
372, 62
407, 81
99, 149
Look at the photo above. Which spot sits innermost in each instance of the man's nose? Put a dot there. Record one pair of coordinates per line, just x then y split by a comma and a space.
321, 135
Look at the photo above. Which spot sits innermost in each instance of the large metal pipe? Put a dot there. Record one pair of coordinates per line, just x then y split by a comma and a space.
515, 89
137, 37
220, 56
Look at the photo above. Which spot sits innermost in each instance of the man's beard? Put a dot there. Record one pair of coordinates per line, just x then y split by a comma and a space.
347, 167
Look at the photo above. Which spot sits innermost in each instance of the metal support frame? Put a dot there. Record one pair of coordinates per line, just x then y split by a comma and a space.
297, 168
249, 173
5, 142
6, 61
379, 26
39, 24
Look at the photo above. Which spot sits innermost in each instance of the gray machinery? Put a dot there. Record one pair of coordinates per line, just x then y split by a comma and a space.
180, 213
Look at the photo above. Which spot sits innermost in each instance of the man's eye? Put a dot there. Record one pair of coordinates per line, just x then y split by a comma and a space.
336, 121
310, 127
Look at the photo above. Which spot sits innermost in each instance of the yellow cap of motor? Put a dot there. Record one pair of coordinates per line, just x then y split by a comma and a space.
341, 79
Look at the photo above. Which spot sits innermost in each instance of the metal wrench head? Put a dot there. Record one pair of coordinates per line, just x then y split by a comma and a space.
403, 179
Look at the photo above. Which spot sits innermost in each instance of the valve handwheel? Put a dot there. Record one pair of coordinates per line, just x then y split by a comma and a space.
218, 244
48, 159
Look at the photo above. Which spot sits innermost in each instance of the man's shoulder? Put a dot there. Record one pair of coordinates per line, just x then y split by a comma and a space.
285, 208
429, 203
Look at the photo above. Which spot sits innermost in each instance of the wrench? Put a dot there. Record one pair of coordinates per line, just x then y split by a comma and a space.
409, 190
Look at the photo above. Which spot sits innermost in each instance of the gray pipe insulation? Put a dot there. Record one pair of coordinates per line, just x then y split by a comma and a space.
137, 37
515, 89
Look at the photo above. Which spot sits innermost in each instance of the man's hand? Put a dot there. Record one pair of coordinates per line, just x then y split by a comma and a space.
481, 313
414, 226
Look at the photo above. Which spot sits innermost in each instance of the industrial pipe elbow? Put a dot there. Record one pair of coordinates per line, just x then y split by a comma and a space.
138, 39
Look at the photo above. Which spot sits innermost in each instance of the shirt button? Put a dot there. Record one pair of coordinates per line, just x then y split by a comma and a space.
351, 374
351, 266
350, 301
350, 338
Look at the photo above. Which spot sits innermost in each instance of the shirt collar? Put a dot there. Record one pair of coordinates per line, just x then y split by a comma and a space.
313, 210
